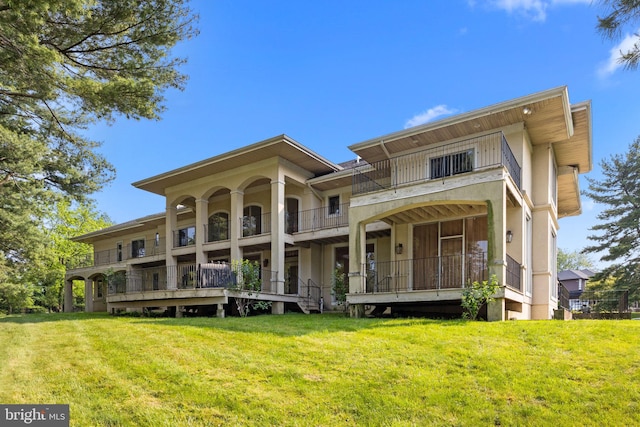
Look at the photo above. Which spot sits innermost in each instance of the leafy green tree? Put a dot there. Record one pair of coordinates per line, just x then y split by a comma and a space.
64, 65
15, 297
573, 260
622, 14
617, 236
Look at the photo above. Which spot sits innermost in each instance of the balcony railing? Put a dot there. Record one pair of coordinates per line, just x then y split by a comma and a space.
457, 158
318, 219
216, 233
184, 237
444, 272
255, 225
185, 276
513, 279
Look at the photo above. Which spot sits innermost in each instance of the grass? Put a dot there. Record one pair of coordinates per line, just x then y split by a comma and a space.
323, 371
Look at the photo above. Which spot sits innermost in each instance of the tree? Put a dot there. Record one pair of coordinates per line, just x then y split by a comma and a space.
617, 236
573, 260
620, 14
64, 65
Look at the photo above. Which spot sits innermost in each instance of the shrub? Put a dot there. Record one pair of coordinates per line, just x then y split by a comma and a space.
476, 295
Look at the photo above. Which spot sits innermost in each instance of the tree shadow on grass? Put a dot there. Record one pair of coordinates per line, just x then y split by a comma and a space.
52, 317
289, 324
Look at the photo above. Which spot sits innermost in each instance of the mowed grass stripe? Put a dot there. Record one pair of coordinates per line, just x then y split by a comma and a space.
322, 370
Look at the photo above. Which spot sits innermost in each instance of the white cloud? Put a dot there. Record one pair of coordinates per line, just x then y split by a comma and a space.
429, 115
612, 64
533, 9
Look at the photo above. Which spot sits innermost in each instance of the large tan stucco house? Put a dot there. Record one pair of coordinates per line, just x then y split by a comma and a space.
420, 214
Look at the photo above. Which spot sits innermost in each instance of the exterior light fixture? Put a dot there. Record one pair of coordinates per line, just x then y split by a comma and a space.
527, 111
509, 236
399, 248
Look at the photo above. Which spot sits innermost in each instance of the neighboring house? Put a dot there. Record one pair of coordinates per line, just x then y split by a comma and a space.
420, 214
575, 282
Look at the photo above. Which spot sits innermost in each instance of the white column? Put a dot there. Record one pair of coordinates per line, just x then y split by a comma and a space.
202, 216
277, 232
235, 231
172, 261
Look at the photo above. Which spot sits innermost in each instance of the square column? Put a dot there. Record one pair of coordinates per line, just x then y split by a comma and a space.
202, 217
235, 231
68, 296
277, 233
172, 261
88, 295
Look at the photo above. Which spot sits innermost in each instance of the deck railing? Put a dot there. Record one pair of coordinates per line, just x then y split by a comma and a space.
444, 272
513, 278
457, 158
186, 276
319, 218
255, 225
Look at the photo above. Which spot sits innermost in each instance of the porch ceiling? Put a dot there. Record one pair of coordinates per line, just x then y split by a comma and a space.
435, 213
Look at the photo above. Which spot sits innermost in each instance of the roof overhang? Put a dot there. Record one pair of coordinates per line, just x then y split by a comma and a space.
145, 223
280, 146
548, 117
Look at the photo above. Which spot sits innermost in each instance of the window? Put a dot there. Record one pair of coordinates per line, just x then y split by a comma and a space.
218, 227
252, 221
186, 237
334, 205
451, 164
291, 215
99, 288
137, 248
119, 252
155, 281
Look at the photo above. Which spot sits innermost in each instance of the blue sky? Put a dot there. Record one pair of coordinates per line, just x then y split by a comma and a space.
333, 73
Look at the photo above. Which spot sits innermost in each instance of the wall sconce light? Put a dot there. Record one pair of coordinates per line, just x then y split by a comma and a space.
509, 236
399, 248
265, 262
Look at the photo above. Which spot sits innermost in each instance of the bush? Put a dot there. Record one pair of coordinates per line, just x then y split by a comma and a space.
476, 295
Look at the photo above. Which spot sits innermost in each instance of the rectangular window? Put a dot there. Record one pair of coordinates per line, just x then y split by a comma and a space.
155, 281
137, 248
334, 205
119, 252
99, 291
186, 237
451, 164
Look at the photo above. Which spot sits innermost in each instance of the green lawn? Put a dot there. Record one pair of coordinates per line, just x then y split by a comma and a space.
323, 370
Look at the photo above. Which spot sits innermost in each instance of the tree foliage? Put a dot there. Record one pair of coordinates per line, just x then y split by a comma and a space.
617, 236
621, 14
65, 64
573, 260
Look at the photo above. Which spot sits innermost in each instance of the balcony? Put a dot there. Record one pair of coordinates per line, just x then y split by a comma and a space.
433, 273
255, 225
183, 277
318, 219
458, 158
